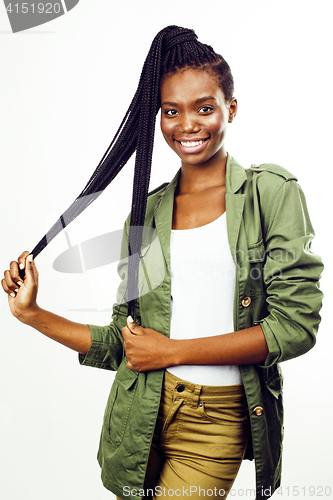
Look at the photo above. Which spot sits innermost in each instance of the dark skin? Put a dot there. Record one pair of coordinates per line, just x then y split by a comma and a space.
22, 299
194, 121
200, 199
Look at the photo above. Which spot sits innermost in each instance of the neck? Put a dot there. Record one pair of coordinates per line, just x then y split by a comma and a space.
198, 178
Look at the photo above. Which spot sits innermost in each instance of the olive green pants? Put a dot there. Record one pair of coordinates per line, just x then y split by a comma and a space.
199, 441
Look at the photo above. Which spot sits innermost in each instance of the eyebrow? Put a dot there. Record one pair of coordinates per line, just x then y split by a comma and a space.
201, 99
206, 98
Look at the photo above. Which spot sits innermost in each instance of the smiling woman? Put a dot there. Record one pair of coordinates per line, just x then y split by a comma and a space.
194, 121
195, 116
198, 385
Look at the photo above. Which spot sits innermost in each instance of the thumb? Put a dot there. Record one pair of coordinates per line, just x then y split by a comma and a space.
133, 327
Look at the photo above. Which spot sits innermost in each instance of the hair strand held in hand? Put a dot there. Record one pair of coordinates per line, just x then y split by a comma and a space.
173, 49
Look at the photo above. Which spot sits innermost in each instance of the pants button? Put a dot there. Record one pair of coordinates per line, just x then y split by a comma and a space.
180, 388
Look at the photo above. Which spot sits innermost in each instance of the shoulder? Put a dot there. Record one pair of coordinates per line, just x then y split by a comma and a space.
265, 176
166, 186
154, 200
155, 196
269, 178
267, 188
159, 189
270, 170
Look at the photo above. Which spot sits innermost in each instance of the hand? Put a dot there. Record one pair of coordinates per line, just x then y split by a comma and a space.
146, 349
22, 293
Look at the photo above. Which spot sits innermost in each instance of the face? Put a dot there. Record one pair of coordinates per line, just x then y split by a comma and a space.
195, 116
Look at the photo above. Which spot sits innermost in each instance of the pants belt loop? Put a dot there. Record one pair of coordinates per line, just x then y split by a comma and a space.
196, 395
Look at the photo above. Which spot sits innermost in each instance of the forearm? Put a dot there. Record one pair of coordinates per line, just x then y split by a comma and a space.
238, 348
147, 349
22, 297
76, 336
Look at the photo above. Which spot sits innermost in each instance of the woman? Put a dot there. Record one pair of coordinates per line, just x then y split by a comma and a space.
198, 384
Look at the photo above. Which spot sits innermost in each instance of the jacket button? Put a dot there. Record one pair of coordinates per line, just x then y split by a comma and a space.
246, 302
255, 165
180, 388
258, 410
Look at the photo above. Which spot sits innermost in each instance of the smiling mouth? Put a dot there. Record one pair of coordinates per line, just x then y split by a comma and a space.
192, 144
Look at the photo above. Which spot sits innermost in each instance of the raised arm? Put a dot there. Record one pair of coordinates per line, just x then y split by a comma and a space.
22, 298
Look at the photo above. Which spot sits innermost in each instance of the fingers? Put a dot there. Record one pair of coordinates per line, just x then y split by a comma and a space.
130, 322
22, 262
31, 271
126, 336
11, 288
126, 333
133, 327
130, 366
12, 281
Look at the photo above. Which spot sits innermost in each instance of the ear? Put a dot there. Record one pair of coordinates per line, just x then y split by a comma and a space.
233, 108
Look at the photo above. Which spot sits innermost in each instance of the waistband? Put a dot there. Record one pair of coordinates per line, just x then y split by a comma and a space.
172, 383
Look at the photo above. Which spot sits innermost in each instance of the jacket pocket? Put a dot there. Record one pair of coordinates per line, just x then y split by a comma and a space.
120, 403
275, 383
257, 258
274, 408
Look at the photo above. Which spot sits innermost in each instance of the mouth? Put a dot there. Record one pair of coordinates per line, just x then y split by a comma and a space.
192, 146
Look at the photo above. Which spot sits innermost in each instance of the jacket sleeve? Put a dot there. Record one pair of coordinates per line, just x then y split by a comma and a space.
106, 350
291, 275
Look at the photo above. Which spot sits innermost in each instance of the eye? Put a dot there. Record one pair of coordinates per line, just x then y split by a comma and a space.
206, 109
170, 112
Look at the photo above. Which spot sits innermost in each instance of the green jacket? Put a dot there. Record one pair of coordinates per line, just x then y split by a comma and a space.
270, 235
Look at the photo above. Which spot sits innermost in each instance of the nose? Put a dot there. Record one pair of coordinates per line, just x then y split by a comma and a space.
189, 124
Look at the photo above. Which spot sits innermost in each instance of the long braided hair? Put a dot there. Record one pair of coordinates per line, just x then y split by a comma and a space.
172, 49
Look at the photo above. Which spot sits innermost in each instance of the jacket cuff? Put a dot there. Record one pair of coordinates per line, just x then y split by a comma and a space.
102, 353
274, 351
93, 356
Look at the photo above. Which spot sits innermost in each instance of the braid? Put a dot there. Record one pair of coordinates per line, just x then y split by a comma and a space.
173, 48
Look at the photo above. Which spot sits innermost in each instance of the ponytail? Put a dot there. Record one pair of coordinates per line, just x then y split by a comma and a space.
172, 48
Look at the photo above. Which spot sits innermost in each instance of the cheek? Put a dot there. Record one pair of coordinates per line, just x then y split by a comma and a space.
166, 128
217, 124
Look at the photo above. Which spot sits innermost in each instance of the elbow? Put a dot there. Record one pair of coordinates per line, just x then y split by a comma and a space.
287, 340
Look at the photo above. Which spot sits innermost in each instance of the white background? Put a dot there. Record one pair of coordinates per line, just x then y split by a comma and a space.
64, 89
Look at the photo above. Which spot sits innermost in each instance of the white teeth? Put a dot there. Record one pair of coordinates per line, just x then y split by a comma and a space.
191, 144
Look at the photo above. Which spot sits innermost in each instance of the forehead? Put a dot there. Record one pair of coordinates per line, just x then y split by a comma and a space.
189, 84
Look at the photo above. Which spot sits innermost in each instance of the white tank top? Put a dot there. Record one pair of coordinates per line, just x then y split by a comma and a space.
202, 295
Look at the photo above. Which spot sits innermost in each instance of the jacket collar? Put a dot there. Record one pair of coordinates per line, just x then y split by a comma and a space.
235, 201
235, 175
235, 178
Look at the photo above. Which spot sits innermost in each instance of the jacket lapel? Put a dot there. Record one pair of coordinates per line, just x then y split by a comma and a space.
163, 217
235, 178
